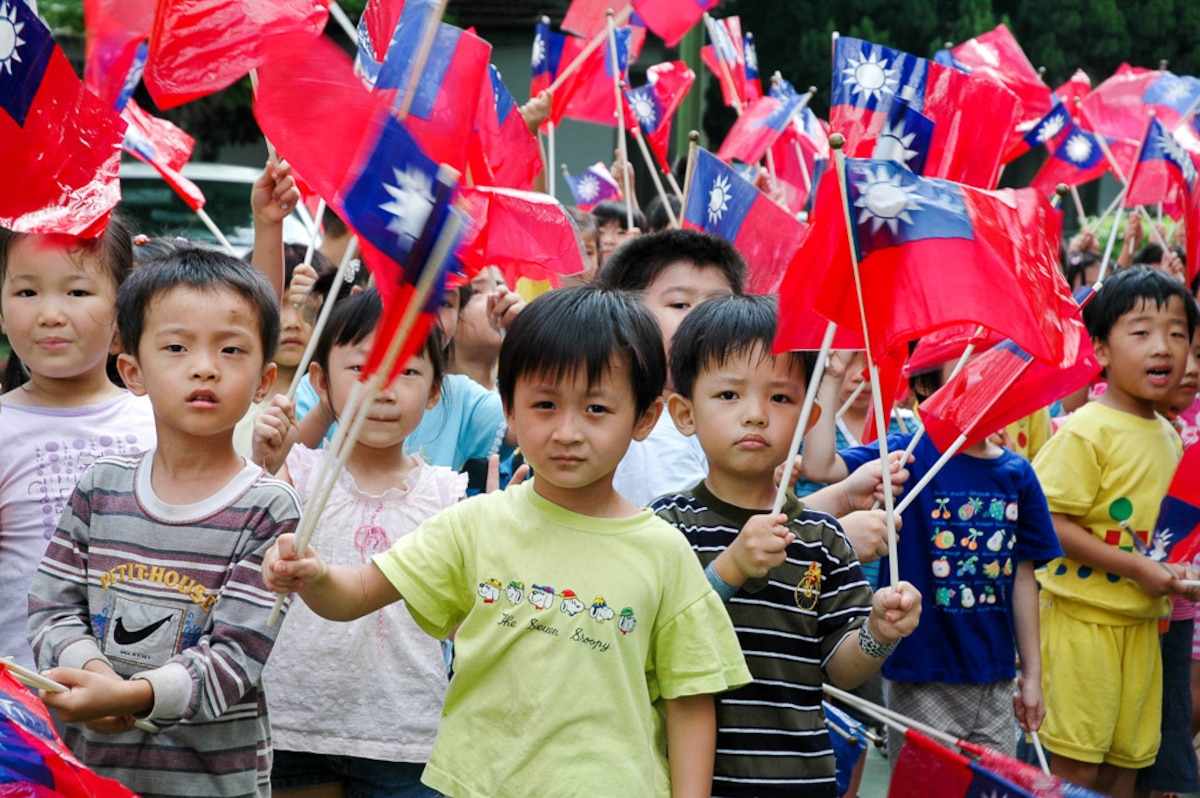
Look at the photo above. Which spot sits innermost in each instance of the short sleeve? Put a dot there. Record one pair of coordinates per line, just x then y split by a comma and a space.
1036, 538
856, 456
1068, 468
428, 568
483, 423
697, 652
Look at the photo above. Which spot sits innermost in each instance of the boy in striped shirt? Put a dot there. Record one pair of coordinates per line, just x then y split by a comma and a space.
792, 584
149, 603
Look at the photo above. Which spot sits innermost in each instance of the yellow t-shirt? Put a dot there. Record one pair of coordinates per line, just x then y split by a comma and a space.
1103, 467
1030, 434
572, 630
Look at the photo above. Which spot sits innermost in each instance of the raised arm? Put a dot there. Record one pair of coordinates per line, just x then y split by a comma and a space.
334, 592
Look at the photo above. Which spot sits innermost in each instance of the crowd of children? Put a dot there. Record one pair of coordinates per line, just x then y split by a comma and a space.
626, 616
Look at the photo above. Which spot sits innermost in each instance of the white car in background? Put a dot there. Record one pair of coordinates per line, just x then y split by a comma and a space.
156, 209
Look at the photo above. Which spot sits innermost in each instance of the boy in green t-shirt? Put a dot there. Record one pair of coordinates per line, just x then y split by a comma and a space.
589, 642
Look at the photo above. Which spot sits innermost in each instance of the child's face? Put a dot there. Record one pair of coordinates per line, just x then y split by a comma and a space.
476, 335
572, 434
294, 335
679, 288
744, 412
1145, 356
612, 236
58, 308
1184, 394
591, 248
200, 359
854, 378
400, 406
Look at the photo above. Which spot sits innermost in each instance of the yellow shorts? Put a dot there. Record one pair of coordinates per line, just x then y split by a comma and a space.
1103, 688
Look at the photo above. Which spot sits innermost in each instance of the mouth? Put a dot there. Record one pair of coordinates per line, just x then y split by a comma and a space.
1160, 377
202, 399
752, 442
291, 342
53, 343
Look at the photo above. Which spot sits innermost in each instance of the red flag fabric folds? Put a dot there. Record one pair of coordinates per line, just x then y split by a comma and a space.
933, 253
671, 19
201, 46
1163, 171
1177, 533
524, 233
997, 56
165, 147
653, 105
759, 126
504, 152
60, 145
725, 58
925, 768
115, 31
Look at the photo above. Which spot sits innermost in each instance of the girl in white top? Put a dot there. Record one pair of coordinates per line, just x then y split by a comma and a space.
61, 410
354, 707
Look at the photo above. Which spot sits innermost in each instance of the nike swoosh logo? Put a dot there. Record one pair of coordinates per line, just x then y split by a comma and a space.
124, 637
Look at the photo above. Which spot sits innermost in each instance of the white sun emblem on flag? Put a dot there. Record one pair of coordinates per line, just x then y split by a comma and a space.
718, 199
10, 39
539, 50
588, 188
988, 53
1079, 149
1178, 156
886, 200
751, 59
643, 109
892, 144
871, 77
1050, 128
410, 203
1177, 91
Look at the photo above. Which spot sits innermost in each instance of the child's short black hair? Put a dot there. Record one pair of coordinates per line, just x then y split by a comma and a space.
634, 265
354, 318
723, 328
1128, 289
583, 327
203, 270
657, 218
610, 211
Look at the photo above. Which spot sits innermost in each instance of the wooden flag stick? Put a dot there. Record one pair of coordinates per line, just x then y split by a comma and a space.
621, 18
428, 37
339, 16
636, 132
892, 719
851, 399
1079, 211
316, 233
550, 188
726, 76
810, 399
693, 144
339, 279
1112, 237
216, 231
618, 95
674, 184
837, 141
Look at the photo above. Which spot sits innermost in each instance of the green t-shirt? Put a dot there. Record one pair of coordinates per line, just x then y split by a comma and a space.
571, 632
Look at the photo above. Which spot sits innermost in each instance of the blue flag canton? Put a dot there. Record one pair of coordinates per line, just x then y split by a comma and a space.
391, 199
25, 49
905, 138
646, 106
1176, 520
890, 206
547, 51
783, 90
1161, 145
870, 76
501, 96
1079, 148
133, 77
396, 72
777, 120
986, 784
623, 38
1056, 120
750, 53
719, 200
1173, 91
946, 58
592, 186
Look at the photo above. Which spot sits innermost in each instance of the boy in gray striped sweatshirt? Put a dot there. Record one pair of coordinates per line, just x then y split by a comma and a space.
148, 603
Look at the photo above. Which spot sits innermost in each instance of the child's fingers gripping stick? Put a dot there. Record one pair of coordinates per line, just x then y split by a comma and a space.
285, 571
896, 610
304, 277
761, 545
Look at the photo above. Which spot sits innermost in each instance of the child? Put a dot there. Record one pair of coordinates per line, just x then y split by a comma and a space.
149, 602
61, 412
329, 731
612, 225
971, 540
591, 245
580, 619
1105, 473
794, 589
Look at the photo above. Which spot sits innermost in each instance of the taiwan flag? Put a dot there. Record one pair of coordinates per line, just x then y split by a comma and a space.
587, 94
504, 152
752, 86
593, 186
671, 19
997, 56
720, 202
1077, 159
1163, 172
1117, 107
760, 124
726, 59
446, 94
868, 78
60, 144
933, 254
1177, 533
161, 144
906, 138
1074, 88
653, 105
115, 48
1043, 132
375, 27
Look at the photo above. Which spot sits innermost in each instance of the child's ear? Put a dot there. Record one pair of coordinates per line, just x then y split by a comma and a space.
646, 422
317, 375
114, 346
681, 413
265, 381
1101, 348
131, 374
435, 396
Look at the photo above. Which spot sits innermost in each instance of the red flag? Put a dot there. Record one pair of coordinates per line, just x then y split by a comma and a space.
761, 123
1076, 87
1023, 775
942, 346
997, 56
60, 145
1076, 158
933, 253
726, 59
115, 31
587, 18
722, 203
1163, 171
201, 46
525, 234
653, 105
165, 147
1177, 533
504, 152
588, 94
925, 768
34, 762
671, 19
1192, 229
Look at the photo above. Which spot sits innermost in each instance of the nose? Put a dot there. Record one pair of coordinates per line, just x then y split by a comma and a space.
754, 412
50, 313
204, 367
568, 430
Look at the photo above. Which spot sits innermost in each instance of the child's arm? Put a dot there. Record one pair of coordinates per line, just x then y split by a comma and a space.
1078, 543
275, 433
821, 462
1029, 706
691, 744
894, 616
334, 592
759, 547
272, 198
862, 489
95, 694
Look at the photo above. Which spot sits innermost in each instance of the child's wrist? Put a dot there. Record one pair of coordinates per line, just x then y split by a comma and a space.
723, 589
